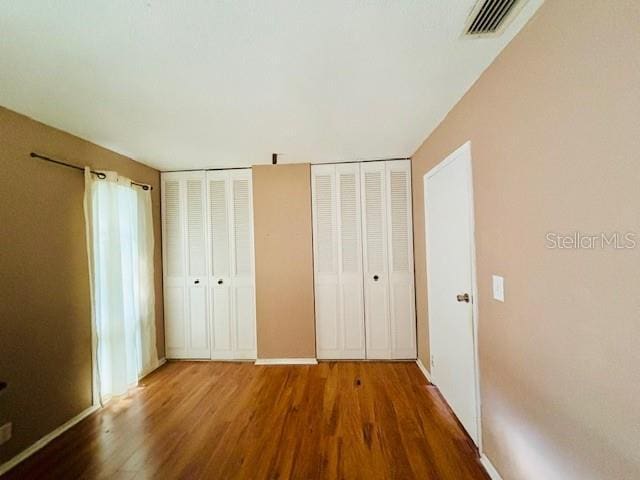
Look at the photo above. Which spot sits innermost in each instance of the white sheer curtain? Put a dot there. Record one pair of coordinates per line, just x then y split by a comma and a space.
120, 245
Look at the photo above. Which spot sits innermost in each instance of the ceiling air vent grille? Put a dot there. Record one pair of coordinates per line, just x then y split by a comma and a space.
489, 16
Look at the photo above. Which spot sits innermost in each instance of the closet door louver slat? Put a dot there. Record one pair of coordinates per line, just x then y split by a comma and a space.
242, 225
195, 228
173, 228
218, 227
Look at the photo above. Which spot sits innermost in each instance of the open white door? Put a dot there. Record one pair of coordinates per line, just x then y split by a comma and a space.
448, 198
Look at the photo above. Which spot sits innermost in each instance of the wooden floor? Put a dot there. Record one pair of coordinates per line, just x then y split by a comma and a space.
342, 420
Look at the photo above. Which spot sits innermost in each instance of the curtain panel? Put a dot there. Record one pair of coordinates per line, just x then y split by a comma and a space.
120, 245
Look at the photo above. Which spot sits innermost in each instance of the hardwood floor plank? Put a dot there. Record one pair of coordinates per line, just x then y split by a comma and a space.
224, 420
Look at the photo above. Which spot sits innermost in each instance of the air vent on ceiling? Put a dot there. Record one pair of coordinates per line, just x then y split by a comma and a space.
489, 17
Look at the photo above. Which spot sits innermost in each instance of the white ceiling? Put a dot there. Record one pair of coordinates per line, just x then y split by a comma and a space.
196, 84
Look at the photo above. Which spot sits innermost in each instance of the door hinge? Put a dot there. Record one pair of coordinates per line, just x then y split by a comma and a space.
433, 361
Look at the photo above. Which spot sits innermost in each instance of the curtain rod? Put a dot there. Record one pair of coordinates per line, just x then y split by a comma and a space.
100, 175
259, 165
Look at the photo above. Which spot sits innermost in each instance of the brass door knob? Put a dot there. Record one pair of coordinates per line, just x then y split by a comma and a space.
463, 298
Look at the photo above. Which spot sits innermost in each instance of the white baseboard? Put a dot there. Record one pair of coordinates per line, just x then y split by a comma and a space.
424, 370
8, 465
286, 361
161, 362
488, 466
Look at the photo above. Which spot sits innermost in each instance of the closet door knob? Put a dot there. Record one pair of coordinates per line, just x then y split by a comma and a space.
196, 282
375, 278
463, 298
220, 282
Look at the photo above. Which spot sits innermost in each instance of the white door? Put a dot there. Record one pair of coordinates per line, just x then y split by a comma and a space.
220, 264
243, 315
338, 261
185, 272
450, 276
400, 258
388, 259
231, 277
375, 252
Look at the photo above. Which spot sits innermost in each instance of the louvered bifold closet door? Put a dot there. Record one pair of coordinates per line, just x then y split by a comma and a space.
231, 281
325, 258
243, 316
375, 254
400, 258
173, 260
196, 242
219, 225
338, 261
185, 267
351, 291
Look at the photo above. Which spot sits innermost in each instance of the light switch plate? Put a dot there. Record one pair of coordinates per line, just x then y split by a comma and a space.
5, 433
498, 288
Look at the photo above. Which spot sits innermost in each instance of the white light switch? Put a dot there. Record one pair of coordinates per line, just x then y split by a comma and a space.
5, 433
498, 288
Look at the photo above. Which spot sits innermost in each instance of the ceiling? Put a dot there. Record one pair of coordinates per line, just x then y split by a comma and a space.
205, 83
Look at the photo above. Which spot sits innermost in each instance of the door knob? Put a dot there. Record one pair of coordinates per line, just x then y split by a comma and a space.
463, 298
196, 282
375, 278
220, 282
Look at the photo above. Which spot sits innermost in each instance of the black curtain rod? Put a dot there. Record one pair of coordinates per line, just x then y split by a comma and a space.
100, 175
320, 163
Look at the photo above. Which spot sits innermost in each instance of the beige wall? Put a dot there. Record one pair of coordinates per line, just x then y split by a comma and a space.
284, 261
45, 348
555, 138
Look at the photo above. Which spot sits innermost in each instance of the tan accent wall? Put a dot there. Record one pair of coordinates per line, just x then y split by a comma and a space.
555, 140
45, 336
284, 261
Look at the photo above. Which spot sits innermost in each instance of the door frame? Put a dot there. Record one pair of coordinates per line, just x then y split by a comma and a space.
462, 153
